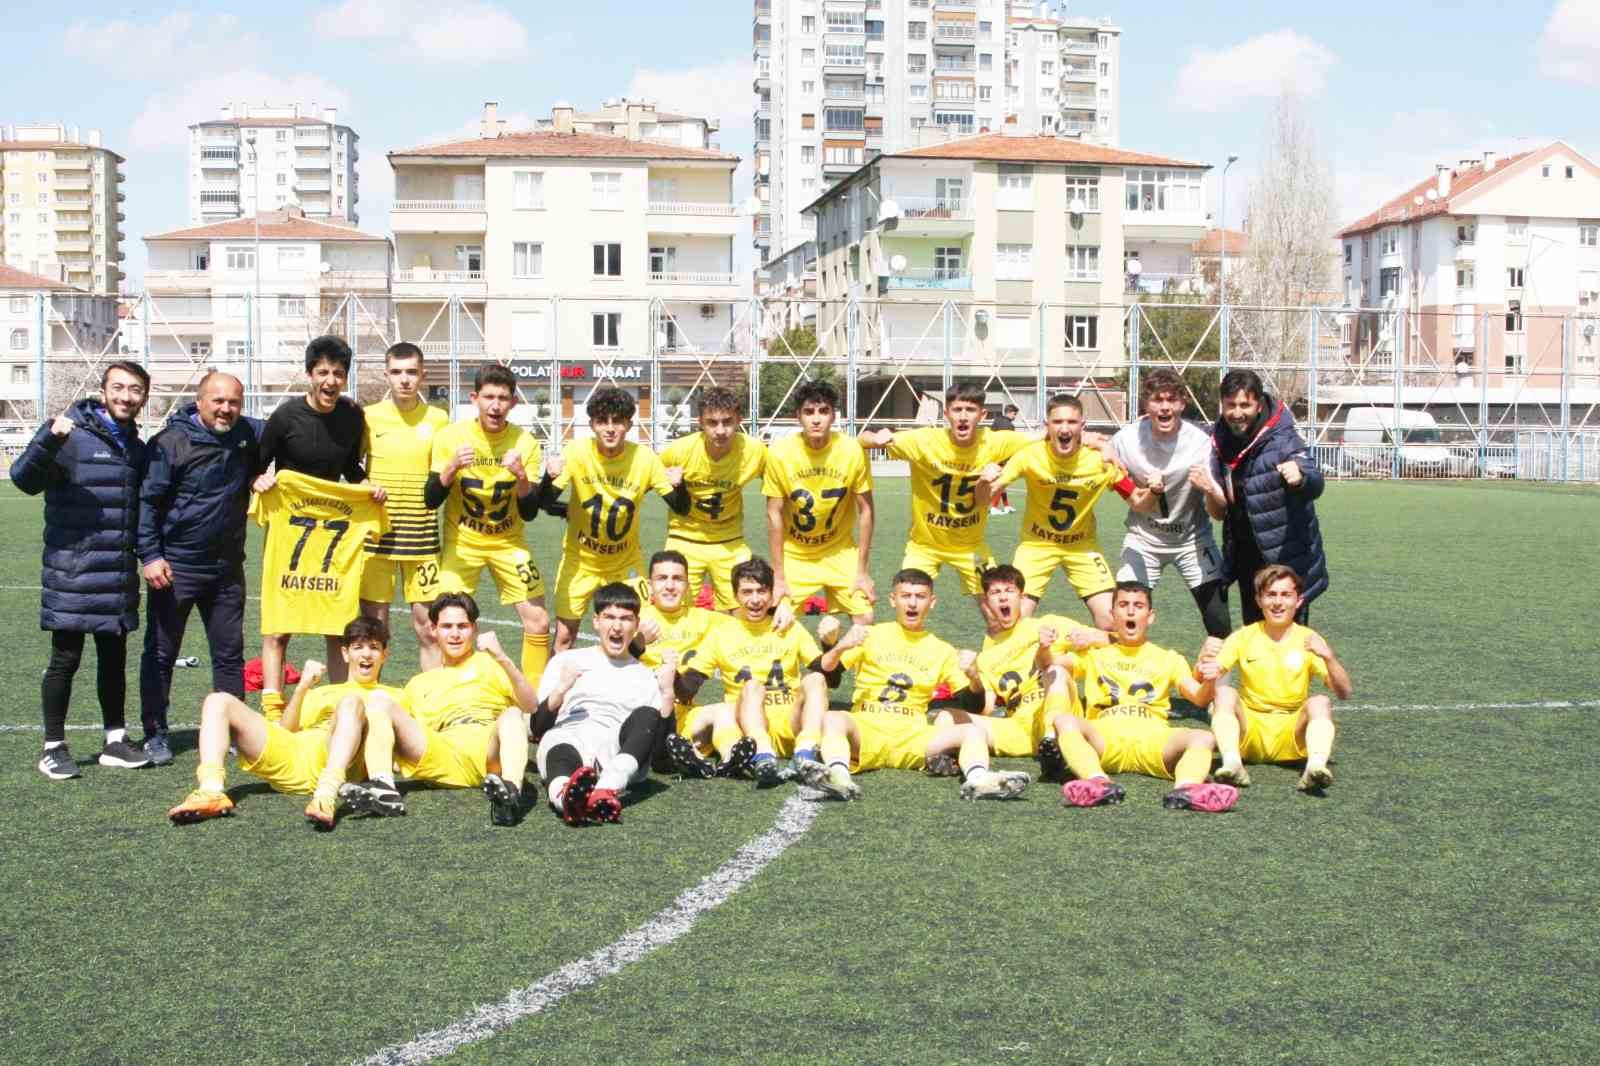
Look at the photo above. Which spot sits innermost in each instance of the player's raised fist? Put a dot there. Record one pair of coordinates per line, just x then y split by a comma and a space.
853, 637
1200, 478
674, 476
968, 661
876, 438
490, 643
650, 632
1318, 645
990, 474
1155, 482
1208, 670
553, 464
1083, 638
464, 456
1290, 470
60, 425
1047, 636
312, 672
264, 482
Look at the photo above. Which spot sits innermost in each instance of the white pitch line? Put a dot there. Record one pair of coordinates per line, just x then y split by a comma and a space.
668, 925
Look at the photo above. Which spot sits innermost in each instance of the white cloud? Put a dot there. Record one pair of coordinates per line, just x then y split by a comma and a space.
1569, 47
176, 41
164, 120
419, 31
1260, 67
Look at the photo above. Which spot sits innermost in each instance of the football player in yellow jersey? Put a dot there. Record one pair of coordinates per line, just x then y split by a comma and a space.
399, 453
774, 675
483, 471
463, 724
309, 749
609, 476
899, 668
818, 486
1271, 715
717, 463
1127, 695
947, 523
1058, 528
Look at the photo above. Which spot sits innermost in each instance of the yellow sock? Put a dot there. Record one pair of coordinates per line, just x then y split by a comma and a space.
1080, 756
1319, 741
377, 751
271, 704
724, 737
328, 782
211, 776
513, 749
808, 740
836, 749
535, 653
1193, 765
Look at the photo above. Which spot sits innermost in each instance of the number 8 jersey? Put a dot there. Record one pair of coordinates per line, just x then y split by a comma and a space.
317, 533
481, 511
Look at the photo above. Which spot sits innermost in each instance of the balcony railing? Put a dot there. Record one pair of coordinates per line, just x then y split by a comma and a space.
72, 222
1159, 284
74, 244
72, 160
959, 32
1084, 72
933, 207
424, 274
443, 347
954, 68
1082, 48
1080, 100
312, 160
691, 277
692, 207
438, 205
317, 136
63, 182
220, 142
929, 278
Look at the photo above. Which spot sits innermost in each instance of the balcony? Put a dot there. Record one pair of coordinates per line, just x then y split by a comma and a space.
180, 280
471, 348
438, 216
425, 284
72, 160
944, 68
1078, 72
67, 182
317, 137
1150, 284
74, 244
697, 278
312, 160
931, 216
955, 33
1079, 101
219, 159
1466, 251
692, 207
844, 62
1073, 46
71, 221
941, 278
712, 218
959, 5
312, 184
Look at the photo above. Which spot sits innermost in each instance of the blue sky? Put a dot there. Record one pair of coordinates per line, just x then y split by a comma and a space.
1395, 87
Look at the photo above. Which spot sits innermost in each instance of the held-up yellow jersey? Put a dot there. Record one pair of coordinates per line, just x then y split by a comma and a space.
1007, 662
475, 692
480, 513
1273, 675
740, 651
399, 449
716, 512
317, 532
944, 479
1061, 492
316, 710
820, 487
686, 631
897, 670
1119, 680
603, 513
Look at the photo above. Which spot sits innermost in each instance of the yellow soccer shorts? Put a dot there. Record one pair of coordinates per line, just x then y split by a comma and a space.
891, 741
1133, 745
577, 584
1016, 736
1269, 736
422, 580
456, 757
291, 762
833, 574
780, 722
511, 566
969, 563
685, 719
1086, 569
718, 560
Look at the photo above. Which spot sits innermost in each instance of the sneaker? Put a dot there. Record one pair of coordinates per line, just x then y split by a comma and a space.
125, 754
1211, 798
768, 773
996, 511
575, 800
1239, 778
737, 764
375, 796
996, 785
1315, 780
1052, 767
685, 760
942, 766
505, 800
321, 813
833, 782
604, 806
58, 764
200, 805
158, 749
1091, 792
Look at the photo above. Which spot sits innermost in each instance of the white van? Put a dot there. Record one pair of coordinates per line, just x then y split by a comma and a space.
1371, 434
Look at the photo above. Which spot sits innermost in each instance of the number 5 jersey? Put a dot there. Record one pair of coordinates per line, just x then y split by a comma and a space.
316, 537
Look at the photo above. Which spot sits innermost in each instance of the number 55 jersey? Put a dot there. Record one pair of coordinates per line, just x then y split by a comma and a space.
316, 538
482, 526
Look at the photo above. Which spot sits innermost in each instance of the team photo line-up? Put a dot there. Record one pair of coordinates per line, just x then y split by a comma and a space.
349, 501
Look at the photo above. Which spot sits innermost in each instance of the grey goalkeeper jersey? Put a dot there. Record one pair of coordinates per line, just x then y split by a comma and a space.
1181, 517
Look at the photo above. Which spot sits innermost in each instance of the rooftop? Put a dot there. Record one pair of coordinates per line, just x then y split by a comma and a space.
282, 225
552, 145
30, 146
12, 278
1463, 177
1000, 147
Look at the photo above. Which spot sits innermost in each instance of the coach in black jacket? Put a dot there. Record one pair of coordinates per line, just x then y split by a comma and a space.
88, 463
191, 544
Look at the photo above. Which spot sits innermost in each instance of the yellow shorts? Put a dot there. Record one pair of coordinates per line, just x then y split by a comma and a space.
891, 741
455, 758
1133, 745
718, 560
1269, 736
421, 579
1016, 736
780, 724
1086, 569
292, 762
683, 715
512, 568
969, 563
833, 574
576, 584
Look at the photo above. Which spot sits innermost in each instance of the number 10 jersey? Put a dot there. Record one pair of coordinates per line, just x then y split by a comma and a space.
317, 532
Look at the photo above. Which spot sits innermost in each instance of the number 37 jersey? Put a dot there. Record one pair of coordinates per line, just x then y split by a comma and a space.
819, 487
317, 532
481, 511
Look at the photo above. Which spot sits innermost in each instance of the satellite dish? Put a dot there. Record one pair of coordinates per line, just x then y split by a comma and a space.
887, 210
765, 290
324, 268
1588, 331
1433, 194
751, 205
897, 263
1133, 267
1077, 206
1417, 200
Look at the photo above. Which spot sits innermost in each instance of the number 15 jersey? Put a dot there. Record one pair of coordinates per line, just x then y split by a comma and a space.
317, 532
481, 511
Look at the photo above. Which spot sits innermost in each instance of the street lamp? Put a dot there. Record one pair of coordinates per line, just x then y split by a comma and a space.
1222, 265
255, 317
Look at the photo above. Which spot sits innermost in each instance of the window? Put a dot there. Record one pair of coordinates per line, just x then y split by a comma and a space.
985, 30
808, 153
1589, 234
1572, 172
608, 260
199, 349
1466, 233
1466, 277
1389, 241
241, 257
1349, 250
985, 62
237, 349
282, 135
808, 57
808, 24
43, 198
607, 329
1162, 190
1013, 262
836, 156
842, 118
916, 31
916, 63
19, 375
1046, 67
875, 94
19, 305
1014, 192
1105, 42
606, 190
1514, 317
1513, 277
1083, 332
291, 258
919, 92
808, 88
19, 340
808, 121
527, 190
1516, 231
985, 92
947, 262
1544, 171
469, 258
1105, 69
291, 307
1389, 281
1083, 262
527, 259
955, 121
949, 191
527, 331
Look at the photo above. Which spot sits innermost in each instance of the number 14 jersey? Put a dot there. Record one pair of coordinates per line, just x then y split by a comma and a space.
317, 532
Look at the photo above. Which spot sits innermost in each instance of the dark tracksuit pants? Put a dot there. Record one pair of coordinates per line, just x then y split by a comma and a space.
220, 599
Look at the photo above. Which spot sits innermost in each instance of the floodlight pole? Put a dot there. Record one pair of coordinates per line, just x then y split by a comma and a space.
254, 323
1222, 268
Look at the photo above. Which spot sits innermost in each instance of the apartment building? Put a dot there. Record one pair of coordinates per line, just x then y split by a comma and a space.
202, 286
43, 318
265, 157
62, 198
998, 253
599, 250
842, 81
1491, 257
637, 119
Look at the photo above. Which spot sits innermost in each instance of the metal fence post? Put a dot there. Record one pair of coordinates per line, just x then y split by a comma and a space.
852, 322
1134, 345
1222, 338
653, 319
949, 374
453, 324
1566, 394
355, 347
1483, 396
1040, 385
753, 347
556, 411
252, 401
1313, 346
42, 397
1396, 468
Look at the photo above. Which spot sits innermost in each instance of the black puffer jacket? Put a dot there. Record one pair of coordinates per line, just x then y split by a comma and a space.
195, 494
91, 509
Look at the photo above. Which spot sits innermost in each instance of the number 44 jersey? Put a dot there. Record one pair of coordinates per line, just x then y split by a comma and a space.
316, 537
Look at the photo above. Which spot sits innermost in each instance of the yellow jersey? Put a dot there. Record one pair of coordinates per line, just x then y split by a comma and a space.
399, 450
480, 513
819, 487
603, 514
898, 670
1007, 662
716, 512
474, 692
316, 710
315, 546
944, 479
687, 631
1274, 675
741, 650
1119, 680
1061, 492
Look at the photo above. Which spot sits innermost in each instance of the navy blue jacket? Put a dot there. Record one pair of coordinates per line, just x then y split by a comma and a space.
91, 506
1281, 520
196, 490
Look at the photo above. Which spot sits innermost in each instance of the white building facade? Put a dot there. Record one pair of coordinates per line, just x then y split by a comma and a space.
43, 320
267, 157
61, 206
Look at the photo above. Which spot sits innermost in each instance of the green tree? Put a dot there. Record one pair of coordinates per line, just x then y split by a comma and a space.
1178, 331
782, 367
